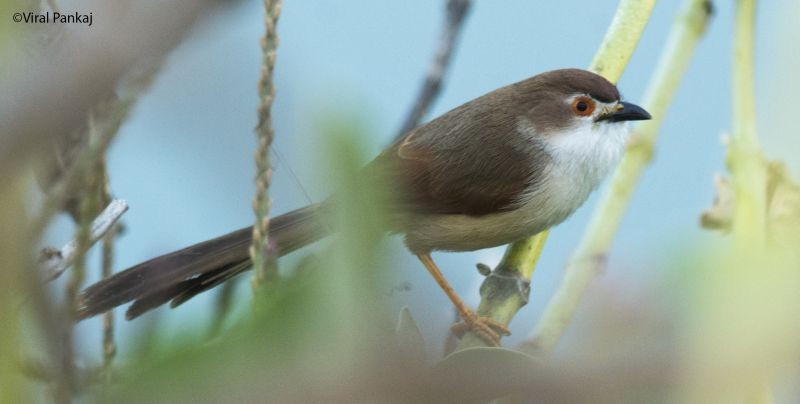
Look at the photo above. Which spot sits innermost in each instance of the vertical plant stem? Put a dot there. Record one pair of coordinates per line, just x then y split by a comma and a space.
265, 133
68, 381
621, 38
745, 158
109, 346
591, 254
618, 45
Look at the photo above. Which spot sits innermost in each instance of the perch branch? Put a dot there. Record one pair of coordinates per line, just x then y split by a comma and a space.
456, 11
590, 255
618, 45
507, 287
57, 261
265, 133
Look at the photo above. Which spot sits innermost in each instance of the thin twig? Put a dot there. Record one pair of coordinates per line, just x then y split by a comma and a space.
109, 116
265, 133
59, 260
67, 383
591, 254
454, 22
610, 61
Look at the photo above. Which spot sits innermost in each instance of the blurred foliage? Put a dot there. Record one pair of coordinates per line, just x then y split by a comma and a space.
720, 327
317, 326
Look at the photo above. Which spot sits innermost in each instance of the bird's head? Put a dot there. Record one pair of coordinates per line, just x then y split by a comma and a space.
579, 116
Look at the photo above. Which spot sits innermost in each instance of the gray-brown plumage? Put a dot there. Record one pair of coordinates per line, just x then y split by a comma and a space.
509, 164
180, 275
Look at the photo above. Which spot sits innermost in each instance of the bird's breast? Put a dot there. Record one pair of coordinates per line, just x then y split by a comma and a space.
578, 165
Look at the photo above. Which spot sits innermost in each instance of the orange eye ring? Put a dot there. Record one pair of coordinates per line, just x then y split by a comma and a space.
583, 106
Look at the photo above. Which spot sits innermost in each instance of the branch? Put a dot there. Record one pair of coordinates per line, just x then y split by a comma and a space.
57, 261
745, 158
109, 346
454, 22
507, 287
591, 254
610, 61
747, 163
265, 133
621, 38
91, 191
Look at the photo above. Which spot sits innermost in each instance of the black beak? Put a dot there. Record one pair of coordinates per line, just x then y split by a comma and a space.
629, 112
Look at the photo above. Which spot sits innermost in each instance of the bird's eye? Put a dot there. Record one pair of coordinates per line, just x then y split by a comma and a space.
583, 106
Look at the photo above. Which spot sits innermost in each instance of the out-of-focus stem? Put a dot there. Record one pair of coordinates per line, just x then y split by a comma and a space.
61, 259
454, 22
91, 190
265, 133
109, 346
591, 254
618, 45
745, 159
621, 38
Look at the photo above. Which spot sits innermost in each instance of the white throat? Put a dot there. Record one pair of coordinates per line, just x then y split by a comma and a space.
589, 151
581, 158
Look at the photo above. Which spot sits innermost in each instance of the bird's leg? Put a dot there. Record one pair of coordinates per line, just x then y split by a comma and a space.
488, 329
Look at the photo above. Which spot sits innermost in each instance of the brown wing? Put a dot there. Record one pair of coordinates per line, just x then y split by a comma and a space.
469, 161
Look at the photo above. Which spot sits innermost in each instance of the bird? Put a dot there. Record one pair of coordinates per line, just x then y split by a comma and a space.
504, 166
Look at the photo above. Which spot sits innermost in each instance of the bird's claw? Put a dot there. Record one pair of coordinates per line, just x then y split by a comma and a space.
486, 328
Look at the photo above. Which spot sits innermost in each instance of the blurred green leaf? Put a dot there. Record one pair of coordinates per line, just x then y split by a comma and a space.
311, 333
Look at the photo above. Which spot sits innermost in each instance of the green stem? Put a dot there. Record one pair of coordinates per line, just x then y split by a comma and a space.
521, 257
745, 159
621, 38
590, 255
506, 289
109, 346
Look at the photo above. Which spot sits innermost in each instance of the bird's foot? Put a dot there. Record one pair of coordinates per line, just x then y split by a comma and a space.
488, 329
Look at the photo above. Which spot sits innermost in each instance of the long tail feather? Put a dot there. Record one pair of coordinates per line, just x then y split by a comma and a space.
181, 275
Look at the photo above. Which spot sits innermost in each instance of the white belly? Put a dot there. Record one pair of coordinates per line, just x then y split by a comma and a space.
579, 163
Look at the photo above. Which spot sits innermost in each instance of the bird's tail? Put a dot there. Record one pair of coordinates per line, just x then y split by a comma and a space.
181, 275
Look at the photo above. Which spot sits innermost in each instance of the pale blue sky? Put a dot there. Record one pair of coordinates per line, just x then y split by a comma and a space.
184, 159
